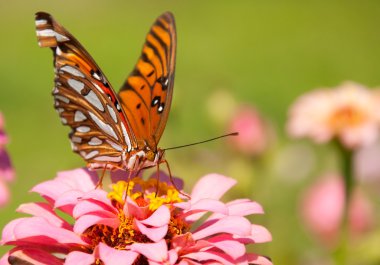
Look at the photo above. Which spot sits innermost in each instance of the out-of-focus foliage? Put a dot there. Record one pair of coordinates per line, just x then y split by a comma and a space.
264, 53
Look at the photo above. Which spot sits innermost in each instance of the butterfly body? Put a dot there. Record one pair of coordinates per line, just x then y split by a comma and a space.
109, 130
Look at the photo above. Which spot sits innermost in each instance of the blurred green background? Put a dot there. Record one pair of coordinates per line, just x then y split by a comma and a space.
265, 53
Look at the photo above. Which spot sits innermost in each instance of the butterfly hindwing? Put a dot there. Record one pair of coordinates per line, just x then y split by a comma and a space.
147, 93
84, 98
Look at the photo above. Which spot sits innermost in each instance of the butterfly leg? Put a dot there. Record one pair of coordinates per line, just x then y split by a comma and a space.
100, 182
128, 180
158, 178
171, 180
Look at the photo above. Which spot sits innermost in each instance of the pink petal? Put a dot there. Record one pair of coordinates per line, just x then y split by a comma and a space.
66, 201
43, 233
210, 256
227, 245
153, 251
7, 235
199, 208
93, 206
153, 233
136, 211
33, 256
41, 209
51, 189
235, 225
243, 207
159, 218
86, 221
111, 256
255, 259
211, 186
259, 234
80, 178
187, 262
77, 257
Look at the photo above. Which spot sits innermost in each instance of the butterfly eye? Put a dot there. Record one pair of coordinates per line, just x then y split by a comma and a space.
150, 155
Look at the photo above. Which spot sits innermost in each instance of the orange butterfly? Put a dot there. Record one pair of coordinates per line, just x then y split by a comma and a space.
109, 130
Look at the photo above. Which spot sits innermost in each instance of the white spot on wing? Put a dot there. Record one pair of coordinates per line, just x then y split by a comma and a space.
63, 120
115, 146
98, 87
41, 22
89, 155
60, 110
52, 33
77, 85
112, 112
71, 70
58, 51
105, 127
76, 139
83, 129
62, 98
108, 158
79, 116
126, 137
95, 141
94, 100
96, 76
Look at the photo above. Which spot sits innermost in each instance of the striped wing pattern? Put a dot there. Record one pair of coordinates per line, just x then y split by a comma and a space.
101, 134
147, 93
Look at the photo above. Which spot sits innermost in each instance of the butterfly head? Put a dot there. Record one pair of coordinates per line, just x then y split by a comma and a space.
155, 157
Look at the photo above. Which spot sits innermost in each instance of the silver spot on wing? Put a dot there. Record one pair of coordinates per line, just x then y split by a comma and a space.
103, 126
83, 129
76, 85
79, 116
71, 70
95, 141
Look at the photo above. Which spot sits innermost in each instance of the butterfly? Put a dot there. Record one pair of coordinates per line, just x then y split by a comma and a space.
109, 130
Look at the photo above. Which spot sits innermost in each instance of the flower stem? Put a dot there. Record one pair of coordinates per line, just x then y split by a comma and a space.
349, 182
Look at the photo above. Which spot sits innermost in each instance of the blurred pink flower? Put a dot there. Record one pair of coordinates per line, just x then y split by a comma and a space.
144, 228
253, 136
350, 112
6, 169
367, 165
322, 207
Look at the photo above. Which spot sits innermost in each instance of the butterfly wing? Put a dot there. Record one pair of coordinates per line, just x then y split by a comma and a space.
147, 93
84, 99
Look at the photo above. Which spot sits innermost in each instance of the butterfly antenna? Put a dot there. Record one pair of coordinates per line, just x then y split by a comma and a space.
205, 141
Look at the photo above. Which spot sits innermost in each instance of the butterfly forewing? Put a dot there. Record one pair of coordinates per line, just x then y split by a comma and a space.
84, 99
147, 93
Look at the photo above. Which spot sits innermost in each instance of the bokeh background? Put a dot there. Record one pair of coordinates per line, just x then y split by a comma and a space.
230, 53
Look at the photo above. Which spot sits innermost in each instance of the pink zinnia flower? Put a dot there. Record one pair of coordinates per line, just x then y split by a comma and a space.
146, 227
322, 209
6, 169
253, 131
350, 113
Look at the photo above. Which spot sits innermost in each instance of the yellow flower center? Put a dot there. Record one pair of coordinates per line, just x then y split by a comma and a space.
345, 117
150, 194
